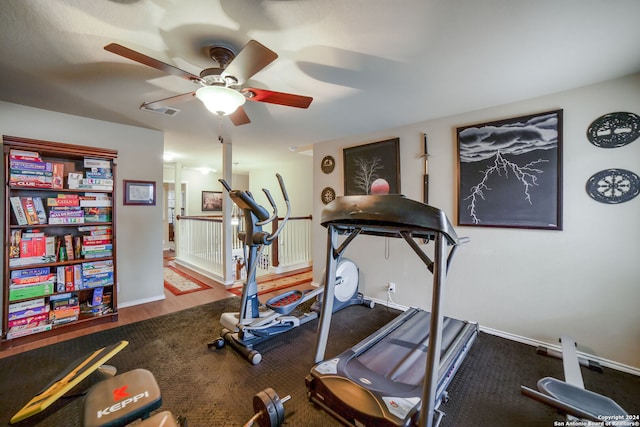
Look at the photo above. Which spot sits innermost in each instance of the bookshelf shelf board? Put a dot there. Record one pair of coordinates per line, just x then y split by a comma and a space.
58, 263
57, 190
60, 329
22, 227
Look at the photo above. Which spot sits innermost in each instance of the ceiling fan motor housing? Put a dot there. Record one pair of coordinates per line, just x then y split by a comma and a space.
213, 76
222, 55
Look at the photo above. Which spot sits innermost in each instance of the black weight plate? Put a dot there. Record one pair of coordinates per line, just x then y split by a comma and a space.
277, 404
614, 130
613, 186
263, 403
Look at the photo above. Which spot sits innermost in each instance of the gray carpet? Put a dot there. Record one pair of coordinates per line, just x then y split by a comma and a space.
215, 387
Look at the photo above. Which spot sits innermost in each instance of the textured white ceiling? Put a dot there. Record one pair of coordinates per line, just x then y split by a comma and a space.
368, 64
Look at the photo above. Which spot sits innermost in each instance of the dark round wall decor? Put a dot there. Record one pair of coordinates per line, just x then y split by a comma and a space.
614, 130
327, 164
613, 186
327, 195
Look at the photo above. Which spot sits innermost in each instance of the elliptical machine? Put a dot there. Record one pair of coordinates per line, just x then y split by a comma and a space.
255, 322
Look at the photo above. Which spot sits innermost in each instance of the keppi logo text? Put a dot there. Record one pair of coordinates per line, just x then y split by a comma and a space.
121, 405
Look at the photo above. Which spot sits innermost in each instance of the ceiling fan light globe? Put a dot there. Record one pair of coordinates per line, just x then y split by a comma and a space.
220, 100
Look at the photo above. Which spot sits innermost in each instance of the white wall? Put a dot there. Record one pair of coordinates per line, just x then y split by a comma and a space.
298, 180
537, 284
138, 228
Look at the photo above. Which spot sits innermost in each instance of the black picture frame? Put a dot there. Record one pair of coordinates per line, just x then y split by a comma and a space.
139, 193
211, 201
364, 164
510, 172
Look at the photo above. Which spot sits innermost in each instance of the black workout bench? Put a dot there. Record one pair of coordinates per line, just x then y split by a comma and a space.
125, 398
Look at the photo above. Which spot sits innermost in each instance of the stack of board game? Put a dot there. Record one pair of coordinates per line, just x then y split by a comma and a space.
65, 209
65, 308
97, 176
31, 283
98, 243
28, 317
27, 169
97, 274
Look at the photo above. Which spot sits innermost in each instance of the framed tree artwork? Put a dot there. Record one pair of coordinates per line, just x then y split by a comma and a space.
372, 168
510, 172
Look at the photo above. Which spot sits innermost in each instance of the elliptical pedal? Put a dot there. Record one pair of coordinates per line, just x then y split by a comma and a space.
285, 303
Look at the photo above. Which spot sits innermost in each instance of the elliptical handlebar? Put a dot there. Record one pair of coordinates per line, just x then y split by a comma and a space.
225, 184
286, 199
283, 188
273, 205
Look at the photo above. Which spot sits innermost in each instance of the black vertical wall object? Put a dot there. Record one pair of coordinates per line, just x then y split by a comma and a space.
425, 183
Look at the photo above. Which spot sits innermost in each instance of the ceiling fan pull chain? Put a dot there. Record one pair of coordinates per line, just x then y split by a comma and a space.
220, 123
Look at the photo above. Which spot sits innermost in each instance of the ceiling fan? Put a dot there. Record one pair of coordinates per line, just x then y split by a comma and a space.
223, 82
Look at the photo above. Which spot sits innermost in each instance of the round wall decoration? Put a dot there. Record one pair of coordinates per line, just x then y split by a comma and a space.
327, 195
613, 186
327, 164
614, 130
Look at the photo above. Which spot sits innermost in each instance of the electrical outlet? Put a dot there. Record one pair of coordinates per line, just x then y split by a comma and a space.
391, 288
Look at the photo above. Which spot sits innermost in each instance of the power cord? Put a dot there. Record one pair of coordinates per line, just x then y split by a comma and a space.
390, 298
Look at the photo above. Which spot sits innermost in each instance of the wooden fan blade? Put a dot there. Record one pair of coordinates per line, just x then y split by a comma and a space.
149, 61
239, 117
252, 58
172, 100
288, 99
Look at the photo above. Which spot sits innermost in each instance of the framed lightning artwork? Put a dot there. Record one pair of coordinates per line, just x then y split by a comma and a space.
510, 172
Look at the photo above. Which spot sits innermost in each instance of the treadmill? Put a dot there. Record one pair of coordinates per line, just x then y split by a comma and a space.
399, 374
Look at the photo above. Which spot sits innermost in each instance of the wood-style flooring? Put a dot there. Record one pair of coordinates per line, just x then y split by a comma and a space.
127, 315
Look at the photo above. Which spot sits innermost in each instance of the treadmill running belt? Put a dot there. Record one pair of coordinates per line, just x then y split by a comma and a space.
379, 381
401, 352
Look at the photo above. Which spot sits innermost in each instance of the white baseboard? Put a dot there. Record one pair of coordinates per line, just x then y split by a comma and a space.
524, 340
388, 303
141, 301
202, 272
286, 268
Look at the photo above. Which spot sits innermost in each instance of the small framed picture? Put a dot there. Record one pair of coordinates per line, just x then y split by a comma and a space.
142, 193
212, 200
